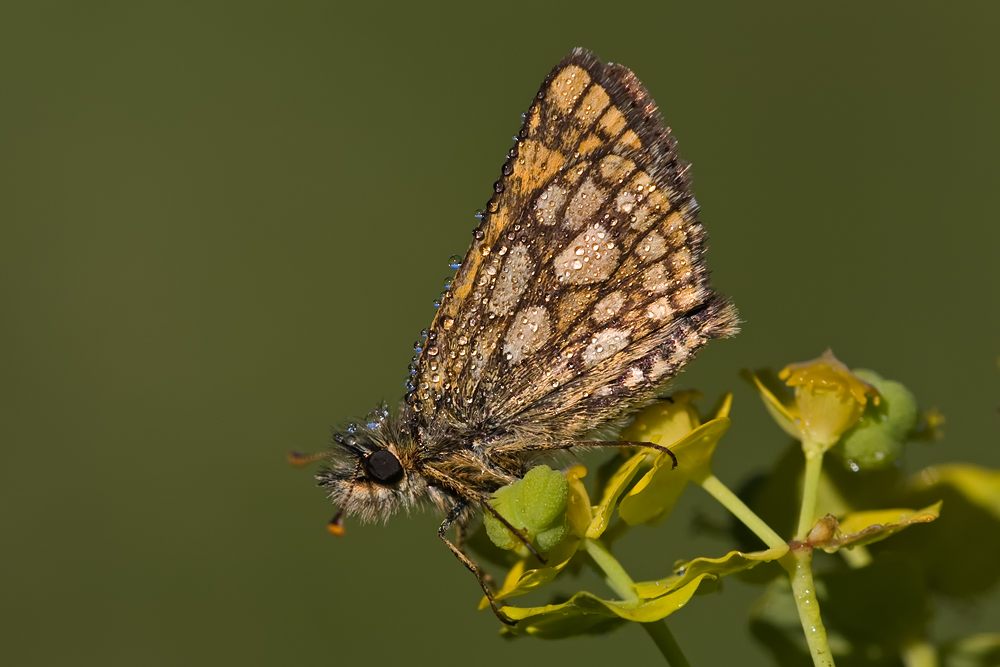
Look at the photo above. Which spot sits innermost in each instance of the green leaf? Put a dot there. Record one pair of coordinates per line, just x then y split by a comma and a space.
655, 495
521, 580
980, 485
585, 613
860, 528
612, 492
959, 553
698, 568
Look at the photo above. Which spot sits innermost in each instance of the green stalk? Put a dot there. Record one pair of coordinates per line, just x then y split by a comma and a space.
614, 574
797, 563
619, 581
664, 640
731, 502
810, 485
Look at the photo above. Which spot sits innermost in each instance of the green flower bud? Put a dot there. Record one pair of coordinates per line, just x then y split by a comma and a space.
535, 505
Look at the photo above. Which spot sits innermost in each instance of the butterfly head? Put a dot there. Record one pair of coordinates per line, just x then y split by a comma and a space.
370, 473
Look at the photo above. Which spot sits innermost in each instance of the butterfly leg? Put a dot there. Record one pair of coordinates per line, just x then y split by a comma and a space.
453, 515
460, 531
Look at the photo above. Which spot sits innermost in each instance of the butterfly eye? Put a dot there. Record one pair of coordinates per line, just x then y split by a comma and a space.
383, 467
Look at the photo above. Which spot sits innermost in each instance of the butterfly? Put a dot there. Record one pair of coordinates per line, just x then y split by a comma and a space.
583, 292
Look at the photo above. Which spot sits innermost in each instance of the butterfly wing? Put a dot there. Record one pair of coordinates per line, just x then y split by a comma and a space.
585, 287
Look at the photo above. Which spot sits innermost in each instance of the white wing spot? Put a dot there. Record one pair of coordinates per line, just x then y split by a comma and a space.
652, 247
589, 258
660, 309
659, 368
585, 203
681, 263
687, 297
527, 334
512, 280
608, 307
634, 377
604, 345
656, 279
548, 203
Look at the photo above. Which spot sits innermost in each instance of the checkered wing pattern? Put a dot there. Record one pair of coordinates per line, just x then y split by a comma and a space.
585, 287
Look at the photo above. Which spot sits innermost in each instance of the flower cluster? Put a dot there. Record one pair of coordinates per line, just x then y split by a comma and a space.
860, 417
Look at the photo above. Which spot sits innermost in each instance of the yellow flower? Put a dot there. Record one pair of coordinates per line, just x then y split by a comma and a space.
829, 400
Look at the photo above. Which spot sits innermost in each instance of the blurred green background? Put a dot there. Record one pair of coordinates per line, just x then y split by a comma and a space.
222, 226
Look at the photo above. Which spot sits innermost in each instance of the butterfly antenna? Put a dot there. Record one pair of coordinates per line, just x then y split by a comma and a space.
298, 459
336, 525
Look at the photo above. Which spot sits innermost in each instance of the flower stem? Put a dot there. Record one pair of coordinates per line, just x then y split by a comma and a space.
731, 502
619, 581
664, 640
797, 563
614, 574
810, 485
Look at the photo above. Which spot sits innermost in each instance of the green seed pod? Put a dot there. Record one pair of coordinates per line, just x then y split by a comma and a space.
877, 440
535, 505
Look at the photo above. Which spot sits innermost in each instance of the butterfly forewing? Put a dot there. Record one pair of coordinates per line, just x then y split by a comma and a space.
585, 287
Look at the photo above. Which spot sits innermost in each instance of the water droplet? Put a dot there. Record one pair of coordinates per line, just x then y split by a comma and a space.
437, 303
432, 351
479, 213
455, 261
577, 264
417, 347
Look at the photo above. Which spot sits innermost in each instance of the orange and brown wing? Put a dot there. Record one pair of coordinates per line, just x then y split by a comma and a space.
585, 286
